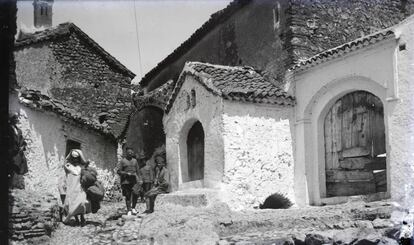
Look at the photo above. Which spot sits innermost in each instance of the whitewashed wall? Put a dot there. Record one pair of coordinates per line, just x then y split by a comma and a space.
178, 122
258, 153
401, 120
46, 136
382, 69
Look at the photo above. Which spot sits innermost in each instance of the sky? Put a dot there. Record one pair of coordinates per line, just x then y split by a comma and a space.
162, 25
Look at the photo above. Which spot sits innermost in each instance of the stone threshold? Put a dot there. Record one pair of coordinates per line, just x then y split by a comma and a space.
344, 199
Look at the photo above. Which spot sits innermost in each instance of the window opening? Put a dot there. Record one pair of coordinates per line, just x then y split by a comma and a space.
72, 144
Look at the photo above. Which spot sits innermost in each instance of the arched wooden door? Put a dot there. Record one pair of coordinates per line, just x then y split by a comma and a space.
354, 135
195, 152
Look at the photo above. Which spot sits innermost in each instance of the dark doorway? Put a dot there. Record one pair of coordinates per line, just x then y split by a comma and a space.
145, 131
355, 152
195, 152
72, 144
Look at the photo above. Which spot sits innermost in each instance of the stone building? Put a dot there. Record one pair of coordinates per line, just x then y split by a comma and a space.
342, 129
227, 128
270, 36
70, 93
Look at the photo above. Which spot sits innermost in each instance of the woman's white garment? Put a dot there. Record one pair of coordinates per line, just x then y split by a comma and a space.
75, 202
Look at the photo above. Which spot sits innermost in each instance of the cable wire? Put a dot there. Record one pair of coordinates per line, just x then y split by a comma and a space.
137, 32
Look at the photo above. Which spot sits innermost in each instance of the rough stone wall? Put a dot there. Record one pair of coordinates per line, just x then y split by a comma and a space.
69, 70
401, 122
258, 153
46, 136
318, 25
177, 123
252, 36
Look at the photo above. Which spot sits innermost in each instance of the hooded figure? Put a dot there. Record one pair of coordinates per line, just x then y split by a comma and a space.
75, 202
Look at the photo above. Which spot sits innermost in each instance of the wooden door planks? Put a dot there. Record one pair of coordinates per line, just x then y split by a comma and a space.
354, 134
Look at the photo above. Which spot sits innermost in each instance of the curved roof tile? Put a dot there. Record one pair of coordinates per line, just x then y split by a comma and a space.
233, 83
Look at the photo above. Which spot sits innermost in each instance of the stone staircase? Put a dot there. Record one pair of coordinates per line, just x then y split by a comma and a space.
31, 215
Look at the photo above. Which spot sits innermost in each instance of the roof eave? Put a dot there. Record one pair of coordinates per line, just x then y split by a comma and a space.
343, 50
67, 29
215, 19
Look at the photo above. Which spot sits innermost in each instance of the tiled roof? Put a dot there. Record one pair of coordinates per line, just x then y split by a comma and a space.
233, 83
38, 101
82, 76
65, 29
158, 97
215, 19
343, 49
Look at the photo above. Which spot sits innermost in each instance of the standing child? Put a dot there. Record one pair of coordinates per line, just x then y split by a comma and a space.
147, 174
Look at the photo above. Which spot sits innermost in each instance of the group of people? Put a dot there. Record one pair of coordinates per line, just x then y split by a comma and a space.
140, 179
80, 192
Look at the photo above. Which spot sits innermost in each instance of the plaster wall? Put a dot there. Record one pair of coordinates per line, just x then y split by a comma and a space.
34, 63
258, 153
177, 123
46, 136
317, 89
251, 35
401, 120
248, 37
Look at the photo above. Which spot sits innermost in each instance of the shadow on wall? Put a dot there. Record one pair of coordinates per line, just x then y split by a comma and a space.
146, 131
45, 150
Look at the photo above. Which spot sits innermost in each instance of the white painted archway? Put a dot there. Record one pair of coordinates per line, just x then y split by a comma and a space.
310, 146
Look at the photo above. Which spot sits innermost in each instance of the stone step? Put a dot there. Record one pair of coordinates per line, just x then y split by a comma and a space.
194, 198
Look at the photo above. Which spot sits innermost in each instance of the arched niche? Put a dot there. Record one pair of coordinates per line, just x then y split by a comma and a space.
195, 152
192, 154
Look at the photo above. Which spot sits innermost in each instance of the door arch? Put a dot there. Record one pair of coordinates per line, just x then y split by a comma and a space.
355, 149
195, 152
145, 130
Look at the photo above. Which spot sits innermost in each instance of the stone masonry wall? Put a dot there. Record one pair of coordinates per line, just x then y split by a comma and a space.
249, 37
71, 71
318, 25
258, 154
271, 35
32, 215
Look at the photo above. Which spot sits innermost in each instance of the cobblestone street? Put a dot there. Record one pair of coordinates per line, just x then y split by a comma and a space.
350, 223
110, 225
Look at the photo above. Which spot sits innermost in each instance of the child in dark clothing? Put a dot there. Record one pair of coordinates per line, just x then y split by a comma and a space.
147, 175
161, 183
